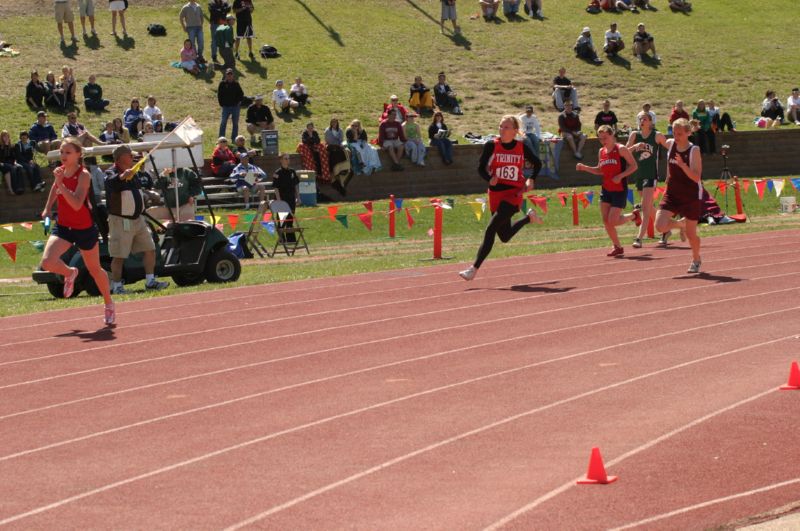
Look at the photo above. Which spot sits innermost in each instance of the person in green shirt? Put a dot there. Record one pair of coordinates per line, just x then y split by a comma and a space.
704, 135
415, 147
224, 39
188, 188
93, 96
643, 144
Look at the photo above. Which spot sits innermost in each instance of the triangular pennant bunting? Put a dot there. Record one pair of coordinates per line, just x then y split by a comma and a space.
409, 219
199, 218
584, 201
539, 201
342, 218
631, 199
248, 218
398, 203
746, 183
722, 186
366, 219
9, 228
332, 210
11, 249
590, 196
562, 196
38, 245
368, 205
524, 205
282, 216
796, 183
778, 185
415, 204
269, 225
26, 226
760, 185
477, 209
233, 220
770, 185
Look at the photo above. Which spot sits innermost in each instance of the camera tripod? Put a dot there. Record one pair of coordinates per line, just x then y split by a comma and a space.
725, 174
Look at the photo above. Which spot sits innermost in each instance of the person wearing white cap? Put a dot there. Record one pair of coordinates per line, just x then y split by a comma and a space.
584, 46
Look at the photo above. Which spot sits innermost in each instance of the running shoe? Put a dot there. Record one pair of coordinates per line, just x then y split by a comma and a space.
637, 217
694, 267
119, 290
616, 251
533, 216
637, 243
664, 237
110, 314
468, 274
156, 285
69, 282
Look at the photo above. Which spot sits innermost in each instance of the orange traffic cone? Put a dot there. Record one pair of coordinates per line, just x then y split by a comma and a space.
794, 379
596, 475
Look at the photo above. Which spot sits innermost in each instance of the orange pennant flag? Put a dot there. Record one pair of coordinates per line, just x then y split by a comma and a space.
267, 217
539, 201
409, 219
584, 201
332, 210
368, 205
562, 196
760, 186
366, 219
11, 249
722, 185
27, 226
746, 183
233, 220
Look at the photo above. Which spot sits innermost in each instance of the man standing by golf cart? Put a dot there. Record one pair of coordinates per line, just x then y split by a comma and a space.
128, 231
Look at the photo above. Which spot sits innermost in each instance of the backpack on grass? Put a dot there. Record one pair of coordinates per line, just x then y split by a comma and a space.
156, 30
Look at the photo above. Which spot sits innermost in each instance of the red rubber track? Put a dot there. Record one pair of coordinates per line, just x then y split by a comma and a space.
410, 399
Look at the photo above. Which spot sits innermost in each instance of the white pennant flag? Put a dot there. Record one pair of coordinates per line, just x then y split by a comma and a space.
283, 215
777, 184
9, 228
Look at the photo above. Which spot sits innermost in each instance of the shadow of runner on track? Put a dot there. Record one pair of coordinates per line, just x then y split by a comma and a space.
721, 279
540, 287
103, 334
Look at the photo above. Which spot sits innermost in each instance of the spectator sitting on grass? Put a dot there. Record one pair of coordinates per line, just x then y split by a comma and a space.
644, 4
281, 99
77, 130
35, 91
247, 178
606, 117
719, 120
119, 128
534, 8
680, 5
67, 82
258, 118
677, 112
151, 111
9, 165
489, 9
570, 125
392, 139
584, 47
771, 108
43, 135
189, 58
444, 95
511, 8
793, 106
23, 155
299, 92
613, 41
449, 13
396, 108
134, 118
438, 133
420, 96
93, 96
563, 90
223, 160
55, 92
415, 147
109, 135
618, 5
365, 159
643, 42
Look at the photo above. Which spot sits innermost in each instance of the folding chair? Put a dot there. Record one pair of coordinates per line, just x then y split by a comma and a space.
286, 224
254, 229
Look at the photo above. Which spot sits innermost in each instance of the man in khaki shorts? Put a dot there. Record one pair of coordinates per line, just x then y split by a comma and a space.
86, 9
128, 232
64, 14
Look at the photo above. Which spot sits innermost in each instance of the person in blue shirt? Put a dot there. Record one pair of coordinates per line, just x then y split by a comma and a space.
43, 135
23, 154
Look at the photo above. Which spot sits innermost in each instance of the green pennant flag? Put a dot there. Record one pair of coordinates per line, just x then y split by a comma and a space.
524, 205
342, 218
248, 218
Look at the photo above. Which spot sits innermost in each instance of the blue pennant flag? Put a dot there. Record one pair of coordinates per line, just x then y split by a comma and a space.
398, 203
590, 196
630, 196
770, 186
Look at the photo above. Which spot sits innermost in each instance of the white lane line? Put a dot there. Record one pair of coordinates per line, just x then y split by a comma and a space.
372, 470
379, 367
256, 293
373, 322
434, 446
709, 503
262, 322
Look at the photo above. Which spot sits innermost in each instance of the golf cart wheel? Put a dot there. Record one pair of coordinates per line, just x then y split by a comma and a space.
223, 266
187, 279
56, 289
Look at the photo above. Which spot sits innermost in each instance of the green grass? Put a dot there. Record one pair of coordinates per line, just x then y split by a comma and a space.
337, 250
353, 55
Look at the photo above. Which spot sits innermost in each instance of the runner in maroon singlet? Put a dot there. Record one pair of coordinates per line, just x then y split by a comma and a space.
684, 190
501, 163
614, 192
75, 225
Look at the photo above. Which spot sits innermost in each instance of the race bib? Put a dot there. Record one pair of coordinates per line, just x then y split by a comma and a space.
507, 173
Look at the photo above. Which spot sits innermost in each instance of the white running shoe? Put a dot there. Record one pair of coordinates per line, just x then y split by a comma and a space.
533, 216
110, 314
468, 274
637, 243
69, 282
694, 267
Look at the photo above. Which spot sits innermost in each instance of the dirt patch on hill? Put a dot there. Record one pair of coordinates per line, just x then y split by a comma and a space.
11, 8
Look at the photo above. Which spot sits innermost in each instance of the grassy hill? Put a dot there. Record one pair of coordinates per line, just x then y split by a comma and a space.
353, 55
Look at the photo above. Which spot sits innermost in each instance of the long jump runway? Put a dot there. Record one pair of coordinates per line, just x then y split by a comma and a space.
411, 399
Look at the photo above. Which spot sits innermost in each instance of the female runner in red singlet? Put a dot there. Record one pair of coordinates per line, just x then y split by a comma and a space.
501, 163
75, 225
684, 189
614, 192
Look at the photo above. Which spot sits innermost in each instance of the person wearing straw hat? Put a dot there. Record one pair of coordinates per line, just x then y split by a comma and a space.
128, 232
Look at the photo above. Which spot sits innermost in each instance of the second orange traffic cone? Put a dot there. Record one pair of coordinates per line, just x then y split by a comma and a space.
596, 475
794, 379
